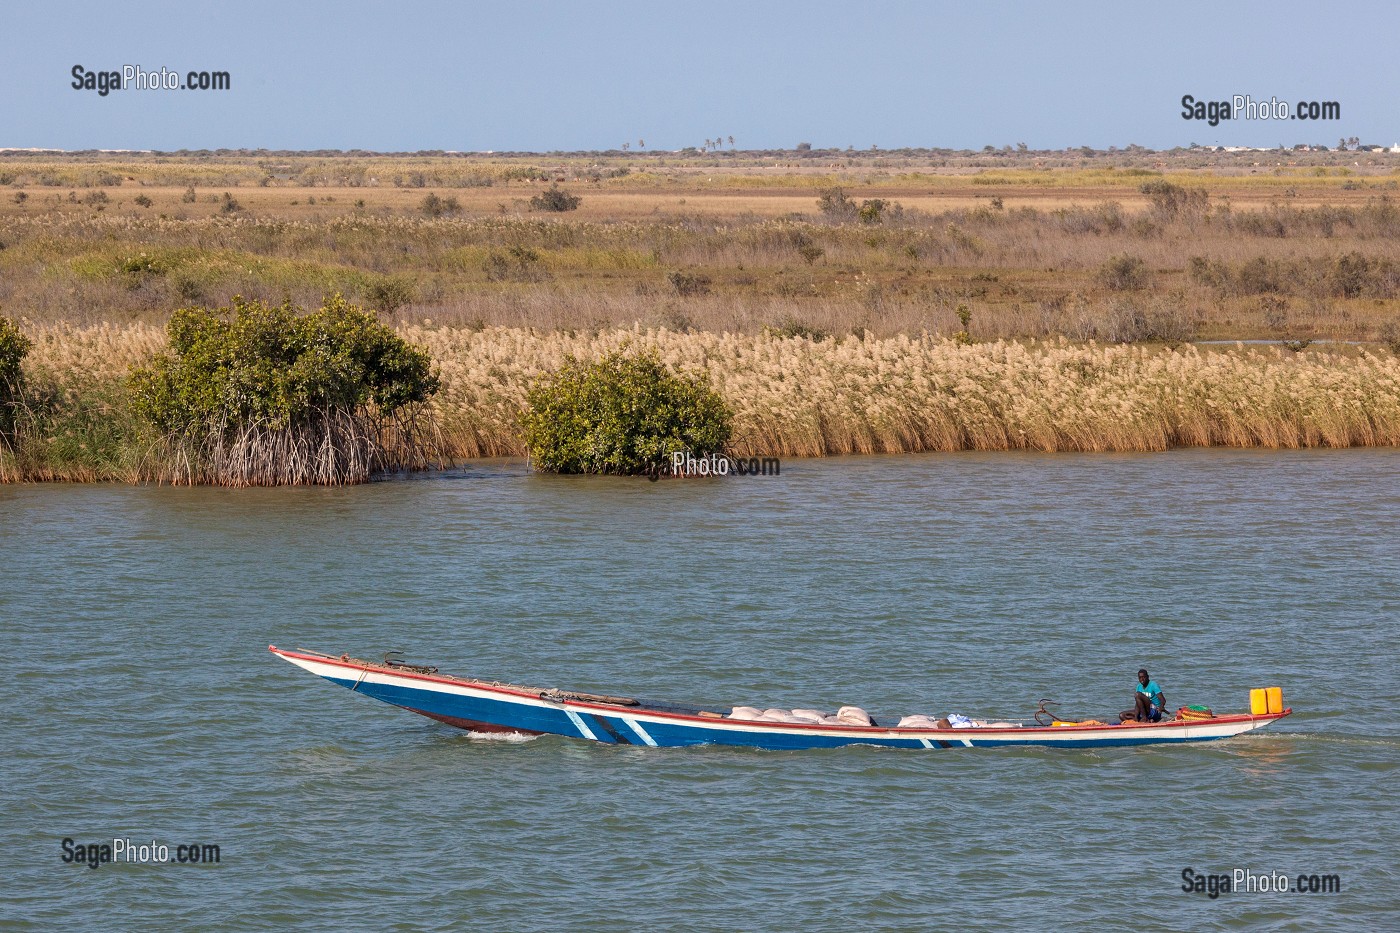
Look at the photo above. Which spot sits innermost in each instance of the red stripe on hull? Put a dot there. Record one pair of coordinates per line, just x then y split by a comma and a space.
471, 725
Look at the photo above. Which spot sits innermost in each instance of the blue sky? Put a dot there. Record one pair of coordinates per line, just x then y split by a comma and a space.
544, 76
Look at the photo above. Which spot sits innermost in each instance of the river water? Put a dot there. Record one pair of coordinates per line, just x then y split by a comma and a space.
142, 702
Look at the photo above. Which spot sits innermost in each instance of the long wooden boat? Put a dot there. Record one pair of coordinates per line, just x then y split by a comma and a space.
493, 707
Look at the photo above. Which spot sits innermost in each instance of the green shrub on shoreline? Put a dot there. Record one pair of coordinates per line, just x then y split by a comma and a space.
625, 414
14, 347
257, 394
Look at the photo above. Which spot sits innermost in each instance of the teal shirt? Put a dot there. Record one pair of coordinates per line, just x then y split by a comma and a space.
1154, 692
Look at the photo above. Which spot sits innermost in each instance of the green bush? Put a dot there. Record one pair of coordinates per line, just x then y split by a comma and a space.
434, 206
839, 207
517, 264
1208, 272
14, 347
688, 284
836, 205
136, 271
389, 293
1124, 274
1390, 335
1259, 275
269, 395
873, 210
624, 414
1353, 274
963, 336
1171, 201
555, 199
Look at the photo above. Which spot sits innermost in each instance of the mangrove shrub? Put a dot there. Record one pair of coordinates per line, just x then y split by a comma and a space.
14, 346
622, 414
257, 394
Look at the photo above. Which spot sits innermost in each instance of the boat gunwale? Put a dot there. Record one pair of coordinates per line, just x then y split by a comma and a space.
537, 693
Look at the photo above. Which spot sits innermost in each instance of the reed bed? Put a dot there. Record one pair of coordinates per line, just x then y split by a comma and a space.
800, 397
794, 396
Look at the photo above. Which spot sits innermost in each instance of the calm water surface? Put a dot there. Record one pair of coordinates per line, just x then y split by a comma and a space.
142, 701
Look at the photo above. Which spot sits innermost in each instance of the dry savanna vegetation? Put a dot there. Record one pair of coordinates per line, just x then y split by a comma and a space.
838, 301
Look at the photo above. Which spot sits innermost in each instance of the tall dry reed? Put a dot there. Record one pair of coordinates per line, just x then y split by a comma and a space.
799, 397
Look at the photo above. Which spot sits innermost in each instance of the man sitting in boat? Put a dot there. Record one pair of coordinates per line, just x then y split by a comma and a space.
1149, 701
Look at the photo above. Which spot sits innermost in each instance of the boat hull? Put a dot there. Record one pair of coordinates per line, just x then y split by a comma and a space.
499, 708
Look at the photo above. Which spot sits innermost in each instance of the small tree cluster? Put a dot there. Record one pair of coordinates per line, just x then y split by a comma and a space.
688, 284
434, 206
1390, 335
517, 264
872, 211
389, 293
555, 199
269, 395
1170, 201
623, 414
1124, 274
837, 206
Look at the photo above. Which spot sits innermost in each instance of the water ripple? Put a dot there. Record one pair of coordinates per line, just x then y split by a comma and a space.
144, 703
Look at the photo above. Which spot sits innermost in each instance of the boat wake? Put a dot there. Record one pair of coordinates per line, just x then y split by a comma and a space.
1331, 738
512, 737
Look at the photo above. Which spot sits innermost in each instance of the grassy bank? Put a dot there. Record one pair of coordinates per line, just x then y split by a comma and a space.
727, 242
795, 396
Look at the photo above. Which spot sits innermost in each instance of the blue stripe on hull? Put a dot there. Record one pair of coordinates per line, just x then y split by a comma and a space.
502, 713
687, 734
1098, 743
608, 729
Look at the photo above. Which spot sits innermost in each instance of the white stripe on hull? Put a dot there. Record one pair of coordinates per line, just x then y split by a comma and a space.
580, 725
639, 721
637, 728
